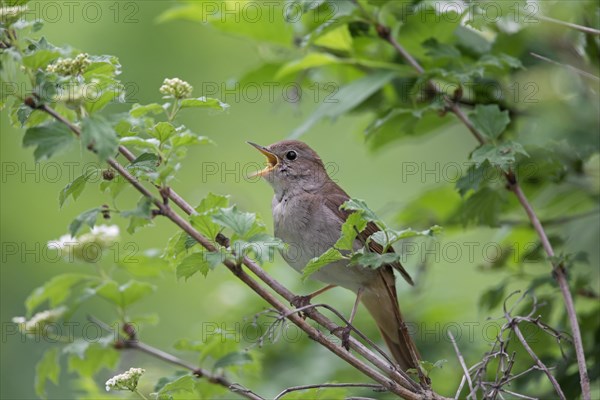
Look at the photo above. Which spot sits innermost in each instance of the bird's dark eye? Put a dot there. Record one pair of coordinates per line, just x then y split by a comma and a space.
291, 155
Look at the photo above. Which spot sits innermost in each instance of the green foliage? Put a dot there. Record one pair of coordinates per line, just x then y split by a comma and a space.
363, 254
49, 140
481, 64
48, 368
490, 120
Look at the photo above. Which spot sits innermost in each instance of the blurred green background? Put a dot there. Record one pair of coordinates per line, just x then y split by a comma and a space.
149, 52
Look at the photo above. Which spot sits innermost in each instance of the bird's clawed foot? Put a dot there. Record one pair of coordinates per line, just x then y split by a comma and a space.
301, 301
345, 335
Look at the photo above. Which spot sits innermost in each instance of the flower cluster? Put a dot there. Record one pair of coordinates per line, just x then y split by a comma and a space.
125, 381
87, 247
176, 88
70, 66
9, 15
39, 320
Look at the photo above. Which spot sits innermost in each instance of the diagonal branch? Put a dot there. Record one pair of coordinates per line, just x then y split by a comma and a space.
132, 342
463, 365
580, 28
558, 270
394, 380
378, 388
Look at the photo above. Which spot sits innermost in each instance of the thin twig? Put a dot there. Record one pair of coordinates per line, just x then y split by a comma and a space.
136, 344
554, 221
520, 396
378, 388
461, 360
560, 276
580, 28
397, 384
537, 360
568, 66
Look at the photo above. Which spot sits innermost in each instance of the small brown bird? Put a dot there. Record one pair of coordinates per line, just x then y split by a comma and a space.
307, 216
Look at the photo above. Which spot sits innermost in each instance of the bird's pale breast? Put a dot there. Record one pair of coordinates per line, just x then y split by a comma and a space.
310, 228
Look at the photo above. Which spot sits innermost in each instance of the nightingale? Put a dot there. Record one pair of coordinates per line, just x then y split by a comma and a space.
307, 216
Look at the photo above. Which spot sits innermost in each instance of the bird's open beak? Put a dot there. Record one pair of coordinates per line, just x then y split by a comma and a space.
272, 160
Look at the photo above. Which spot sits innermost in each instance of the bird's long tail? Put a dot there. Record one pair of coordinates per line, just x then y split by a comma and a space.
382, 303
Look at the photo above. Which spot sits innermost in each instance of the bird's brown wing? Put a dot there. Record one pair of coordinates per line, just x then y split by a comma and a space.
381, 298
335, 198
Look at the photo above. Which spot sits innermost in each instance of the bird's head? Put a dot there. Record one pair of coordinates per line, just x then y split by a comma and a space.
292, 166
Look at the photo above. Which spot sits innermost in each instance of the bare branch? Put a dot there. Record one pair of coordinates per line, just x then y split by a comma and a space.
580, 28
133, 343
559, 273
395, 382
568, 66
461, 360
377, 388
538, 362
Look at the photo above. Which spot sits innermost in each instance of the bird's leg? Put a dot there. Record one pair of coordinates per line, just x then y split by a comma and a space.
346, 330
303, 301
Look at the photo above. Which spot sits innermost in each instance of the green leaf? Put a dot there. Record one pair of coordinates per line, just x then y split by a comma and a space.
196, 262
55, 291
40, 58
235, 358
429, 366
336, 39
315, 264
147, 264
49, 139
148, 162
169, 391
125, 294
440, 51
483, 207
387, 237
348, 97
133, 291
212, 202
73, 189
311, 60
97, 132
474, 177
502, 156
492, 297
259, 247
206, 225
266, 24
373, 260
354, 224
188, 139
107, 92
138, 110
242, 223
490, 120
48, 368
139, 216
399, 123
96, 357
204, 102
88, 218
360, 206
143, 144
163, 131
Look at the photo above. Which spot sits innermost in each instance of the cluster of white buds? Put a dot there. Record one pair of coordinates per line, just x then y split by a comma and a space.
39, 320
125, 381
8, 15
176, 88
70, 66
87, 247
